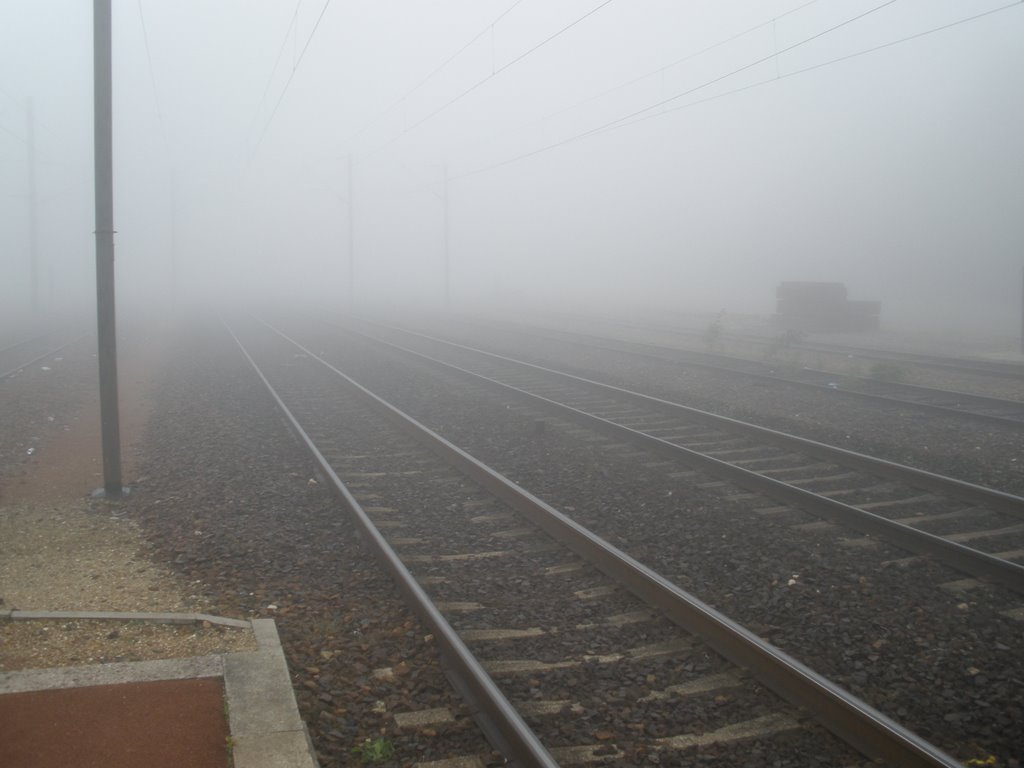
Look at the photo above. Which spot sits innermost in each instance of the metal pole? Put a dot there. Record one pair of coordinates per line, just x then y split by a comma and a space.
33, 239
351, 243
174, 238
105, 314
447, 257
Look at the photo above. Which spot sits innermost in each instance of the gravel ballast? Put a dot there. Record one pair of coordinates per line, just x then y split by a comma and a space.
886, 632
230, 504
982, 453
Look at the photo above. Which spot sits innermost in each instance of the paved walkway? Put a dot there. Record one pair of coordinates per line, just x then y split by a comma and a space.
162, 724
173, 713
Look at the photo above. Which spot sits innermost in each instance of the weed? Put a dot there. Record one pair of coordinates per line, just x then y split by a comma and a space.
888, 370
374, 750
785, 340
229, 741
712, 335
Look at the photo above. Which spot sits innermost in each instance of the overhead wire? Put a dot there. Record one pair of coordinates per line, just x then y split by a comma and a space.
622, 122
295, 68
9, 132
152, 80
689, 57
273, 71
436, 70
755, 63
614, 123
838, 59
21, 105
42, 156
677, 62
494, 73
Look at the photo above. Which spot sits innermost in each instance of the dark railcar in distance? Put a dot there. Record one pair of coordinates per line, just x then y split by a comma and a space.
823, 308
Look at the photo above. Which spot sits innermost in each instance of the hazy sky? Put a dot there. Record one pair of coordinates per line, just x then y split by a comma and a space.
898, 172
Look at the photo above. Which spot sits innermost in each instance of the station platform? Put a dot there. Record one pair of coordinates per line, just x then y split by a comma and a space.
210, 711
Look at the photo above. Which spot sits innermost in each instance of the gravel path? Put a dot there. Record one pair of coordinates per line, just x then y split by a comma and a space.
38, 404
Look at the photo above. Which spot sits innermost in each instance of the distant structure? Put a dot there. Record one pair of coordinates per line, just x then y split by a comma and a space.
823, 308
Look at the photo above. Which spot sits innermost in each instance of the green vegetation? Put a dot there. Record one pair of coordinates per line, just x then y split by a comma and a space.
374, 750
888, 370
712, 335
785, 340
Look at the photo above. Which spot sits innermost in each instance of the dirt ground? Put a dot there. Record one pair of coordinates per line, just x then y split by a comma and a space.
61, 549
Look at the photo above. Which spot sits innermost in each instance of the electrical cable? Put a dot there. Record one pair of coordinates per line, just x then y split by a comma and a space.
666, 67
295, 69
273, 71
493, 74
9, 132
616, 123
152, 80
836, 60
676, 63
43, 158
752, 64
441, 66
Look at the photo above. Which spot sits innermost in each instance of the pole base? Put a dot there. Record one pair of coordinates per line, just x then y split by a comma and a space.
101, 493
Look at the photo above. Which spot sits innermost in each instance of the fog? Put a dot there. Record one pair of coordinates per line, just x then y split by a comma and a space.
606, 161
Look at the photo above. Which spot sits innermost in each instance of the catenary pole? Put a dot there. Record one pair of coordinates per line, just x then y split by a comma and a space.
105, 304
174, 237
33, 226
351, 243
447, 256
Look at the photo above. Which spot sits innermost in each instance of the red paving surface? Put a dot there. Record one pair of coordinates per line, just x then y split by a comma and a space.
164, 724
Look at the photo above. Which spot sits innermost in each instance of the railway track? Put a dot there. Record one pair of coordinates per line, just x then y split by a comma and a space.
992, 368
977, 530
1007, 370
831, 598
894, 394
604, 660
24, 342
17, 357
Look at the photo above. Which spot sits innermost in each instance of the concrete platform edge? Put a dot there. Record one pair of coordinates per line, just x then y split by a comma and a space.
157, 618
264, 719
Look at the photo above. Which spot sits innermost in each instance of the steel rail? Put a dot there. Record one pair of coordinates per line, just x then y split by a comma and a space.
23, 342
961, 557
1004, 370
959, 489
495, 715
683, 357
866, 729
996, 368
51, 353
